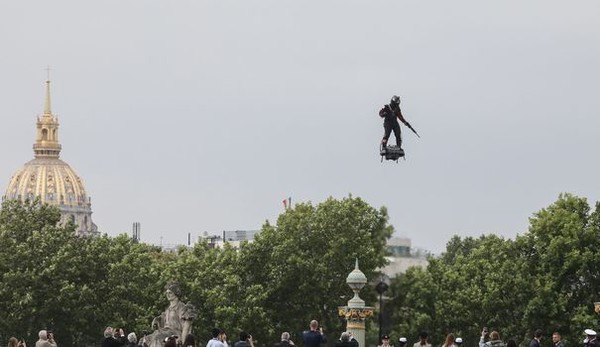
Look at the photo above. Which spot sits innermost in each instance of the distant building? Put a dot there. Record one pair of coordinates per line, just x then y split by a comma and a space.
402, 256
233, 237
239, 235
50, 179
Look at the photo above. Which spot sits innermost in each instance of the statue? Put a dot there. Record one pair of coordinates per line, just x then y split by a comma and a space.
176, 320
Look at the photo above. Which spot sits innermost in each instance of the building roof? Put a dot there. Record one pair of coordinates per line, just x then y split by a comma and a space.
50, 179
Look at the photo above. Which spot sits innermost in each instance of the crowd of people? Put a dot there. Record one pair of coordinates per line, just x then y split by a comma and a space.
493, 339
313, 337
116, 337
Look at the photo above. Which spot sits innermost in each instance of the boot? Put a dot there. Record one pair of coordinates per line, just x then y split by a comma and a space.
382, 148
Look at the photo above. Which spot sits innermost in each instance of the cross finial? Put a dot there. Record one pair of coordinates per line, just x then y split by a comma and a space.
48, 72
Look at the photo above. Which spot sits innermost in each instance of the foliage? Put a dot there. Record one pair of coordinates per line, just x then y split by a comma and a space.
295, 271
53, 279
302, 262
547, 278
75, 286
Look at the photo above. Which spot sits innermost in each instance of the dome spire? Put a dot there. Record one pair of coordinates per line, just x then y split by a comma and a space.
46, 142
47, 109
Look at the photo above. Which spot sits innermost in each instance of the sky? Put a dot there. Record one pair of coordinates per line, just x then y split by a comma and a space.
202, 116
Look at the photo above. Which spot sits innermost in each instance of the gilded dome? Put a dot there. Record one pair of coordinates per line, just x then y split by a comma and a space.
50, 179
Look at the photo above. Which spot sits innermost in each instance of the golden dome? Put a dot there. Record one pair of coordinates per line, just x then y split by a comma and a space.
50, 179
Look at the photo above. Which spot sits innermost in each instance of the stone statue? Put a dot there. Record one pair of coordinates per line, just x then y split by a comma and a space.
175, 320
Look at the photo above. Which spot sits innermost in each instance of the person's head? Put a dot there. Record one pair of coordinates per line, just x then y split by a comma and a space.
591, 334
285, 336
423, 336
345, 337
458, 341
132, 338
190, 341
171, 341
13, 342
556, 337
314, 325
449, 340
223, 335
244, 336
402, 341
43, 335
108, 332
538, 334
494, 335
385, 339
511, 343
215, 332
395, 100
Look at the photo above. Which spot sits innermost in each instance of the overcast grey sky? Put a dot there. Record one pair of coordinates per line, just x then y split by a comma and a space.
192, 116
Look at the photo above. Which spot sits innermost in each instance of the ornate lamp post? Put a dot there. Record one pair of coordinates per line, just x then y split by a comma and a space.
381, 288
356, 312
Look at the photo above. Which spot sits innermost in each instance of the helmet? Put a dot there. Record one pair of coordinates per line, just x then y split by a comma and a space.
395, 99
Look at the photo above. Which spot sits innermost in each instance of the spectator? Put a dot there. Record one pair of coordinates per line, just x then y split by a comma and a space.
13, 342
109, 339
423, 336
344, 340
557, 340
132, 340
449, 341
493, 342
216, 340
537, 338
285, 340
458, 342
46, 339
223, 338
190, 341
590, 340
314, 337
245, 340
171, 341
511, 343
353, 341
402, 342
385, 341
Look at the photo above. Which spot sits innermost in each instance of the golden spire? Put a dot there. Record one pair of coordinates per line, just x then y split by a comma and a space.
47, 109
47, 102
46, 143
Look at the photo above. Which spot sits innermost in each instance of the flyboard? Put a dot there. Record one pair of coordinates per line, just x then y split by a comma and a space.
391, 153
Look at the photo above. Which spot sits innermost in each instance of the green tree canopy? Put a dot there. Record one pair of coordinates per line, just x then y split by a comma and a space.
295, 271
302, 262
546, 278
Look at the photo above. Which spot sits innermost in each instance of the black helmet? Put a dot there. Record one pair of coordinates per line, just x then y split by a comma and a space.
395, 99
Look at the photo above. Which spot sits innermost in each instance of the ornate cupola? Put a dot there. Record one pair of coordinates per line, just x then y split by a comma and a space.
50, 179
46, 143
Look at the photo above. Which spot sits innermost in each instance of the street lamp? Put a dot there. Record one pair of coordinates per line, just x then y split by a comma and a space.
381, 287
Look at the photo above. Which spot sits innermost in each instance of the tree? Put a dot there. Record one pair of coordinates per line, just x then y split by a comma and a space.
56, 280
547, 278
561, 249
31, 249
302, 262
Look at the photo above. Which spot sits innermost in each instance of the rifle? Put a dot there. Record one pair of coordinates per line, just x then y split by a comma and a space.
413, 130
